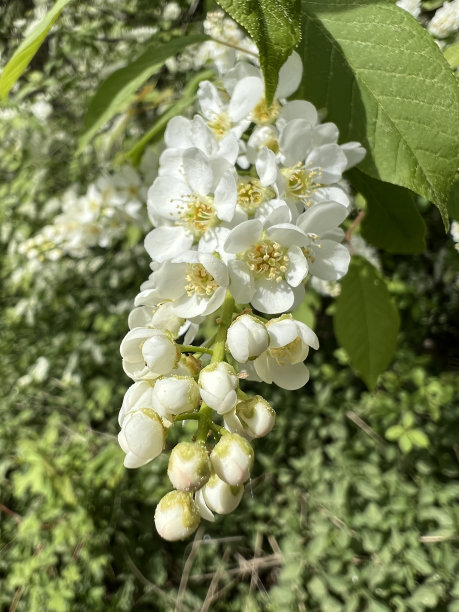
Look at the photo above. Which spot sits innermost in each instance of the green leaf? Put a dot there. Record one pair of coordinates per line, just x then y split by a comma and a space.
453, 201
419, 438
366, 321
27, 49
405, 443
275, 29
451, 54
392, 221
394, 432
115, 92
385, 83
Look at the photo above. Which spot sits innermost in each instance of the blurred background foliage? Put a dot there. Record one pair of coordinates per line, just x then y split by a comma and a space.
353, 500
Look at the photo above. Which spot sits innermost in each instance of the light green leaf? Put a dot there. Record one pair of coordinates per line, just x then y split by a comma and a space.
451, 54
275, 29
418, 438
27, 49
115, 92
366, 321
405, 443
394, 432
385, 83
392, 221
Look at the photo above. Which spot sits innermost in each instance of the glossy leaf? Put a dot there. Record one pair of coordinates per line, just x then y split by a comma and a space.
385, 83
366, 321
28, 48
275, 29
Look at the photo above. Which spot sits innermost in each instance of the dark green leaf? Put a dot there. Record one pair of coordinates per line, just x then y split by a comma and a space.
366, 321
453, 201
385, 83
27, 49
392, 221
274, 27
115, 92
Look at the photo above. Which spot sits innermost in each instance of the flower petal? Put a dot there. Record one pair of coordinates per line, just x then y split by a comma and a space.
246, 94
320, 219
289, 76
271, 297
225, 197
165, 242
243, 235
332, 261
198, 171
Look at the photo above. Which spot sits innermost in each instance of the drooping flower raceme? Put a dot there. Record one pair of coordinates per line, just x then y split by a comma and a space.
247, 208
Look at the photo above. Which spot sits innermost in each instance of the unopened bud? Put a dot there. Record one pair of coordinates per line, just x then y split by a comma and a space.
174, 395
189, 466
217, 383
218, 496
142, 437
232, 459
247, 338
176, 516
256, 416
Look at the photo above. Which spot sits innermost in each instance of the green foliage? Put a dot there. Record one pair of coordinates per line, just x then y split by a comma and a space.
366, 321
115, 92
385, 83
28, 48
392, 220
275, 29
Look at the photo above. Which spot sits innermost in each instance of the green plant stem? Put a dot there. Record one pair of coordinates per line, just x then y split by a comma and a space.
188, 348
187, 416
205, 412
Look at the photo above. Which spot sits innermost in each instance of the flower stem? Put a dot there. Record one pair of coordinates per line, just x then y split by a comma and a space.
189, 348
205, 412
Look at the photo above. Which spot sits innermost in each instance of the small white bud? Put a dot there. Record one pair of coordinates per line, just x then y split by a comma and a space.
148, 353
219, 496
232, 459
174, 395
189, 466
176, 516
160, 317
256, 416
217, 383
138, 396
247, 338
142, 437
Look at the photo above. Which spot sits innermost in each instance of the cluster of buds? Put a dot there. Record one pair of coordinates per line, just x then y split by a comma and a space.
246, 208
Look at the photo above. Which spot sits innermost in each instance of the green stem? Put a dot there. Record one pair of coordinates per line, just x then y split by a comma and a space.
205, 412
187, 416
188, 348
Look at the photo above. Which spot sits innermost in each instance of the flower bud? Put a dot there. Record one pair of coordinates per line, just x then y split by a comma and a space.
247, 338
160, 317
174, 395
176, 516
217, 383
142, 437
256, 417
189, 466
148, 353
218, 496
138, 396
232, 459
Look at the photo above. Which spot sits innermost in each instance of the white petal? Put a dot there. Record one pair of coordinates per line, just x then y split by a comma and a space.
198, 171
295, 141
291, 377
165, 243
325, 133
322, 218
289, 76
209, 100
216, 267
271, 297
287, 234
354, 153
298, 109
226, 197
246, 95
332, 261
177, 134
164, 196
242, 284
266, 166
243, 236
297, 269
331, 162
202, 507
202, 136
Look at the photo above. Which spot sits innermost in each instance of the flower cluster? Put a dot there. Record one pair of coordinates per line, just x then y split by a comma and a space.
246, 208
443, 24
97, 218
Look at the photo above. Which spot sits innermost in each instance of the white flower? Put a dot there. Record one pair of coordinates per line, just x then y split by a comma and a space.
282, 363
160, 316
176, 516
247, 337
189, 466
148, 353
252, 418
411, 6
218, 383
270, 264
174, 395
138, 396
190, 206
217, 496
142, 437
232, 459
446, 20
327, 259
